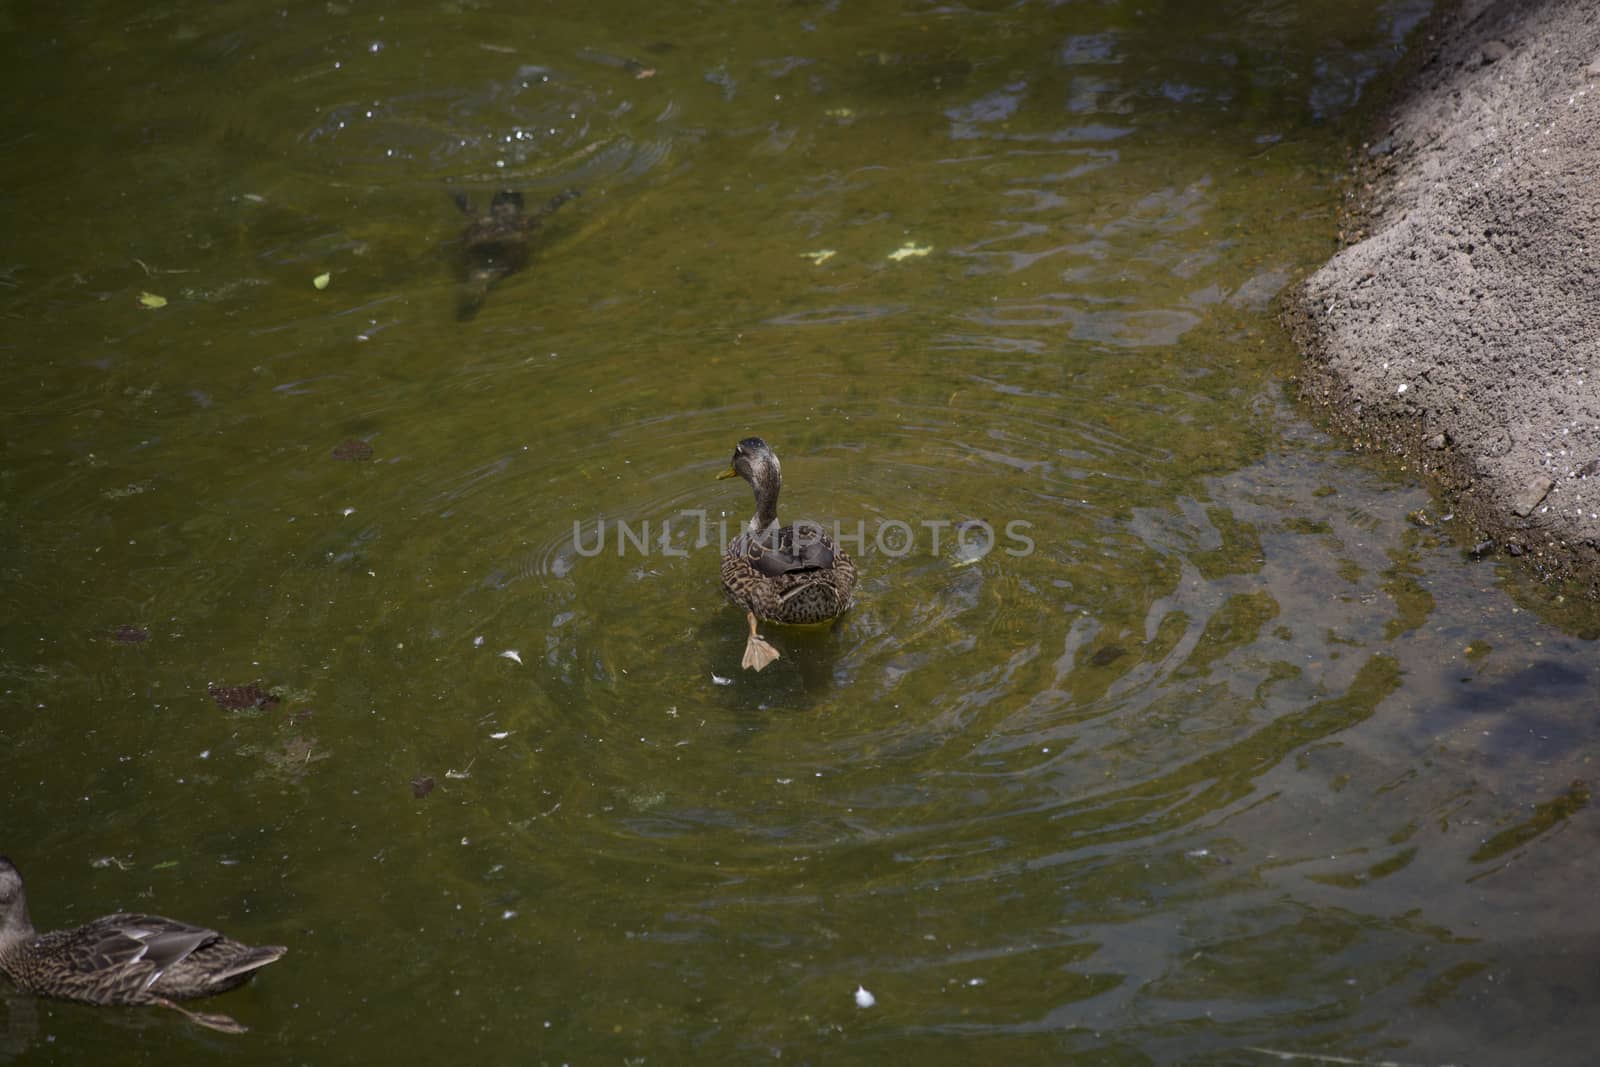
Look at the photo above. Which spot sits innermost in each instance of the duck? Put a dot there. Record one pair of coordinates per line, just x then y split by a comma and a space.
495, 243
124, 958
791, 574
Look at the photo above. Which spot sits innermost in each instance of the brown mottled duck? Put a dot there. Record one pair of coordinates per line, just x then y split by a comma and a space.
495, 244
124, 959
791, 574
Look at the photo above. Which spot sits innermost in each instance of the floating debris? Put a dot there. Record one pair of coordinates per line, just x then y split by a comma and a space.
240, 697
128, 634
124, 492
717, 679
864, 999
1107, 656
293, 759
421, 787
354, 450
512, 654
820, 256
152, 301
321, 281
974, 540
909, 249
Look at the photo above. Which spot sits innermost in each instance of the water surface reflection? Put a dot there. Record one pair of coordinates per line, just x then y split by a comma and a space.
1237, 756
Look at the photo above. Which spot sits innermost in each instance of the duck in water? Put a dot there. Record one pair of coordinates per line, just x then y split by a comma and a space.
124, 959
790, 574
495, 243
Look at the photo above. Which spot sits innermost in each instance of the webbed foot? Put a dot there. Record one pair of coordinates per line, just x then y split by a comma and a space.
757, 653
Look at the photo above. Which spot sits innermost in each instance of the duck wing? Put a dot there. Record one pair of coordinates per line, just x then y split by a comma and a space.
801, 547
149, 944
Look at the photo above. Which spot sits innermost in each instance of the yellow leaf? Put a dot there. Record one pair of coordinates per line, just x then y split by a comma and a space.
321, 281
909, 249
151, 300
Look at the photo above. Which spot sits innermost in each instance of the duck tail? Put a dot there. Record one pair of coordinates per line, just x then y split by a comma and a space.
253, 960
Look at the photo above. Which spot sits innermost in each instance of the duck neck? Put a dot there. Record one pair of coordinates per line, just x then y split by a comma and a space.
15, 928
766, 489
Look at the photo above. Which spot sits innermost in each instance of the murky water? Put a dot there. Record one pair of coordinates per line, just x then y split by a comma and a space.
1214, 751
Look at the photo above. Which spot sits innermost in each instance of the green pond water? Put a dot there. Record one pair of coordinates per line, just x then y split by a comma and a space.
1215, 754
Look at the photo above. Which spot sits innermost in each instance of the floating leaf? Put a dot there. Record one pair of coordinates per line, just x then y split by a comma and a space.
151, 300
909, 249
421, 787
321, 281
